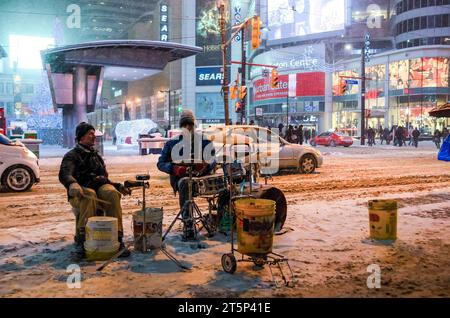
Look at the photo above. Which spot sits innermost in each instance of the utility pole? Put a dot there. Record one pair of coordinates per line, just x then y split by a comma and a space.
365, 54
225, 88
363, 97
243, 75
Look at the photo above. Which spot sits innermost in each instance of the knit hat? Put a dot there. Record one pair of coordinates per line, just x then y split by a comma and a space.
82, 129
187, 117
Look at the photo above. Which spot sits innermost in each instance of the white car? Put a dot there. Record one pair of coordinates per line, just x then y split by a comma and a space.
19, 167
273, 152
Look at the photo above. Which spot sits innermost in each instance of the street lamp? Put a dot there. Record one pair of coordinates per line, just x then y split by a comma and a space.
167, 91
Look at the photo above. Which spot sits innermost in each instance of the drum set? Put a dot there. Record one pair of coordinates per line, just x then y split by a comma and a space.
220, 190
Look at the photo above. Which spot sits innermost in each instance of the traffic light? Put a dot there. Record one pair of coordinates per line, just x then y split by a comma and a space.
256, 32
233, 92
274, 79
238, 107
242, 92
342, 87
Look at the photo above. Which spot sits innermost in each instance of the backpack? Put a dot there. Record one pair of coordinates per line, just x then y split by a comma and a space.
444, 152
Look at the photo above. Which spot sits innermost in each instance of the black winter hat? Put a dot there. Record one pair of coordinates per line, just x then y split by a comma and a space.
82, 129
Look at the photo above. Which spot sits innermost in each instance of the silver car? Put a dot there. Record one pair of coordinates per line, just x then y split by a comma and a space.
269, 150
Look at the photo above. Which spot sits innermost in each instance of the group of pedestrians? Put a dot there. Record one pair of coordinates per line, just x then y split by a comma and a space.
402, 136
296, 134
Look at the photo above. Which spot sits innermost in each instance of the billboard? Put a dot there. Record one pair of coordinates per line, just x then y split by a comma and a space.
209, 106
207, 32
210, 76
297, 18
301, 84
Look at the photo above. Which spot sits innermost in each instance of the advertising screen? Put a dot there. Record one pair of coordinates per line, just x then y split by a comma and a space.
291, 18
209, 106
208, 32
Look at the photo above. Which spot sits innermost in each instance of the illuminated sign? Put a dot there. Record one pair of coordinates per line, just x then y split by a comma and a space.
25, 51
164, 23
209, 76
291, 19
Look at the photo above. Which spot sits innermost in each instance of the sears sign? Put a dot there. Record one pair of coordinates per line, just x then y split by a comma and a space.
209, 76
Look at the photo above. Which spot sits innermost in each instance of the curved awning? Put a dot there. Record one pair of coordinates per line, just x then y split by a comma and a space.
441, 111
140, 54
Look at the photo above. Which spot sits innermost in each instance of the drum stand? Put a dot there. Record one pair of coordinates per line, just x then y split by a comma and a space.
195, 215
142, 181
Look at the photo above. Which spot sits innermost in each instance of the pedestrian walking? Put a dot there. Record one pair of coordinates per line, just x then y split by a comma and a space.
437, 138
415, 136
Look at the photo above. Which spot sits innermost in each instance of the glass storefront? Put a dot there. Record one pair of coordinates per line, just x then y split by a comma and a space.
415, 87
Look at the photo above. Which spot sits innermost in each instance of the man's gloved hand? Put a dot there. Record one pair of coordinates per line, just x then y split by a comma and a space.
179, 171
75, 190
200, 168
123, 189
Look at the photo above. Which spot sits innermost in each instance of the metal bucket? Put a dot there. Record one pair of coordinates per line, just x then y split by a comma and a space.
153, 229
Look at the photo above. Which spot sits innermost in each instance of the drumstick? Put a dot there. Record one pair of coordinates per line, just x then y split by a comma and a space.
95, 199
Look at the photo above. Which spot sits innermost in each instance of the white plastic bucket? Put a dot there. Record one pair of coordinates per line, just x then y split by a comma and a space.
101, 238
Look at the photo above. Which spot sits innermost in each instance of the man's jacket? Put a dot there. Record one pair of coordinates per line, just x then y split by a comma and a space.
85, 167
166, 164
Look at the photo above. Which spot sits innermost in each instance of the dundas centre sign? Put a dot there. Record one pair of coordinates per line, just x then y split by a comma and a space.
303, 58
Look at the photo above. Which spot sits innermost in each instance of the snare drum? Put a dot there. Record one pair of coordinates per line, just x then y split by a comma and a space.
209, 185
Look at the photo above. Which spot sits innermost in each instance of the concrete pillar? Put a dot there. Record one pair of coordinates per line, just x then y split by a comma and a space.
80, 94
325, 121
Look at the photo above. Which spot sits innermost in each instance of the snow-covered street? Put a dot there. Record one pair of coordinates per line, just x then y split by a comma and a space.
324, 237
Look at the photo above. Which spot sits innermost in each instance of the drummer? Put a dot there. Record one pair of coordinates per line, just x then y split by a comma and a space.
178, 173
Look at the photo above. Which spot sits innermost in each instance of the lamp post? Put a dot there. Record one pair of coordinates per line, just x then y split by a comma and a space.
168, 91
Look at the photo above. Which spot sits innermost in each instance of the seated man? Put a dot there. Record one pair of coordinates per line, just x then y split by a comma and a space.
178, 149
83, 173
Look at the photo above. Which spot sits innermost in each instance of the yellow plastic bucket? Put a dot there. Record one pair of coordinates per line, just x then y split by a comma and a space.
255, 225
383, 219
101, 238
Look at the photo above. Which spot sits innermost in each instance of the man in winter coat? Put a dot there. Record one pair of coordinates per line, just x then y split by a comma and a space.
178, 150
83, 173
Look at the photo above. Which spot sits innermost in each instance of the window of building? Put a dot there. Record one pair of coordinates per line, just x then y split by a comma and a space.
430, 21
438, 2
416, 23
445, 20
28, 89
410, 25
416, 4
438, 21
9, 88
431, 3
423, 22
410, 4
2, 88
424, 3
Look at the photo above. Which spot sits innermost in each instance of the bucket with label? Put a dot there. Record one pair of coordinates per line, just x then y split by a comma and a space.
153, 229
383, 219
101, 238
255, 225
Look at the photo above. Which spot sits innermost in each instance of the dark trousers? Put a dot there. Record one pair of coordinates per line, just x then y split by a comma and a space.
183, 196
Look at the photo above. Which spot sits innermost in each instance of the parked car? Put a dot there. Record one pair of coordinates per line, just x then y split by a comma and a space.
332, 139
268, 149
19, 167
